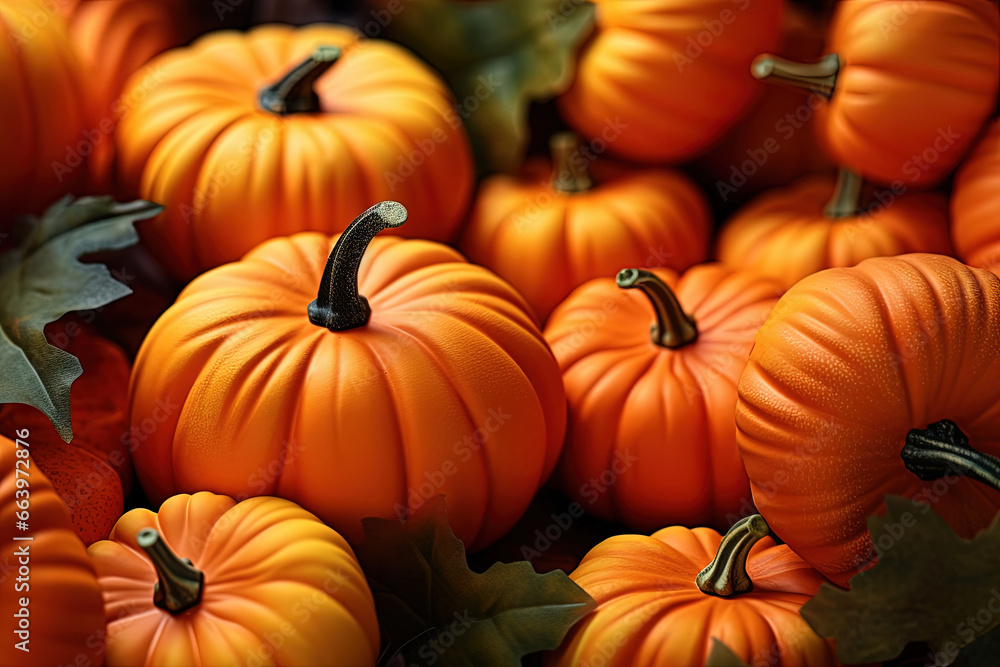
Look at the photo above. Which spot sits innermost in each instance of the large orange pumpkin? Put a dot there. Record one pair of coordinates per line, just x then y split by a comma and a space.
817, 223
662, 79
436, 380
244, 137
909, 85
49, 597
44, 110
554, 227
665, 599
208, 581
650, 405
975, 204
849, 363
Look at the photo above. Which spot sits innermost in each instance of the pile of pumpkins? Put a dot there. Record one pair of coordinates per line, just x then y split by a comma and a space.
364, 326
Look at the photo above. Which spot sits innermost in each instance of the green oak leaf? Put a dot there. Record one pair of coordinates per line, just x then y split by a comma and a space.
434, 610
43, 279
929, 586
498, 56
723, 656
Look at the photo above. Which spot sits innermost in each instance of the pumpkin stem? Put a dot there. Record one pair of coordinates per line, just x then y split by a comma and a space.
180, 585
726, 575
846, 192
294, 92
570, 172
942, 449
338, 306
819, 77
674, 328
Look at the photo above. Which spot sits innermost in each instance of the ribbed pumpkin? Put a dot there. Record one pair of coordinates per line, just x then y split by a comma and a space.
208, 581
975, 204
817, 223
65, 620
443, 384
909, 85
648, 403
866, 381
554, 227
44, 111
665, 599
248, 136
662, 79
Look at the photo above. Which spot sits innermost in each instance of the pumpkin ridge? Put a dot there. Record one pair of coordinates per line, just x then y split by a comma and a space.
27, 96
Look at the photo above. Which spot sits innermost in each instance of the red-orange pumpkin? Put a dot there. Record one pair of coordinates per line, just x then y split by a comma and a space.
644, 408
975, 204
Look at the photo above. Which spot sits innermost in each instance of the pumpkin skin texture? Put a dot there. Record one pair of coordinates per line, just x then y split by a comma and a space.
44, 111
232, 175
651, 613
975, 204
787, 234
270, 568
546, 241
449, 388
850, 360
669, 409
66, 613
638, 87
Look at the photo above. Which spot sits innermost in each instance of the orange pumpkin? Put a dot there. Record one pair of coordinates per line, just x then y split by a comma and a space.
817, 223
43, 115
846, 391
553, 228
443, 384
975, 204
909, 85
48, 581
248, 136
209, 581
663, 79
644, 403
665, 599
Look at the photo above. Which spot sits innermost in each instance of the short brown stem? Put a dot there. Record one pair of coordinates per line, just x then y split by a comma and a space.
846, 192
819, 77
294, 93
674, 328
180, 585
727, 576
942, 449
570, 167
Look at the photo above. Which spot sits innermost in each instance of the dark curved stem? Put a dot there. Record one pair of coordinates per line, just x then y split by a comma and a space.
942, 449
846, 193
294, 92
727, 576
180, 585
819, 77
674, 328
338, 306
570, 172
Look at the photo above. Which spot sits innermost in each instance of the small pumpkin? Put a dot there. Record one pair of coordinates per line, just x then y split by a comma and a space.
49, 597
437, 380
846, 395
647, 402
44, 111
209, 581
817, 223
909, 85
975, 203
653, 67
556, 226
666, 599
248, 136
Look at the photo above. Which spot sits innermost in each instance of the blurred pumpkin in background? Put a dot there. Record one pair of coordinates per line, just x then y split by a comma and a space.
975, 203
578, 217
907, 95
650, 403
817, 223
248, 136
661, 80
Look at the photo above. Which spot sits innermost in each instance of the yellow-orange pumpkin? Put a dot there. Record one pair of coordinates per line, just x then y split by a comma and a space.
975, 204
